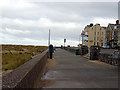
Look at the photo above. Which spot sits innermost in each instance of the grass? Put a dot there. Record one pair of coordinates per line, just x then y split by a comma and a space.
11, 60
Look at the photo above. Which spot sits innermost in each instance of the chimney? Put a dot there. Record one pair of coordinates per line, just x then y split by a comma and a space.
97, 24
91, 24
117, 21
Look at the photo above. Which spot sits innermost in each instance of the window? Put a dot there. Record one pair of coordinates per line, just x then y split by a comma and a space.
94, 38
101, 38
97, 43
94, 33
94, 43
102, 33
97, 38
98, 33
101, 44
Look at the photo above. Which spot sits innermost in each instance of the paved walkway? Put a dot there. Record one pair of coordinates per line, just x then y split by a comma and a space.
74, 71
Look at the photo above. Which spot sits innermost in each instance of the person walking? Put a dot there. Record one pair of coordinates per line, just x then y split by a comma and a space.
51, 50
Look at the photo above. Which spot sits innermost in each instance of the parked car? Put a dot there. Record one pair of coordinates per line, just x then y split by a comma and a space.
105, 46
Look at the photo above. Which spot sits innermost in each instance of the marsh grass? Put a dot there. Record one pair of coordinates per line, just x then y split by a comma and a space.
11, 60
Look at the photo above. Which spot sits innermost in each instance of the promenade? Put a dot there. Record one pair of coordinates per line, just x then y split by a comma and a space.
73, 71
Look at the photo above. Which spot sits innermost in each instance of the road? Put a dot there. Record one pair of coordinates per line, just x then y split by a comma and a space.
73, 71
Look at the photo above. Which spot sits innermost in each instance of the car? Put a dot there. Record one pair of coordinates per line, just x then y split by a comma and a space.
105, 46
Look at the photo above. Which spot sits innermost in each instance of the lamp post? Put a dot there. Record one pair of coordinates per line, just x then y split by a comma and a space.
64, 42
49, 38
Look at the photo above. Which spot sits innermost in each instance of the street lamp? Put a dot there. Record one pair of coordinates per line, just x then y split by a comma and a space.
64, 42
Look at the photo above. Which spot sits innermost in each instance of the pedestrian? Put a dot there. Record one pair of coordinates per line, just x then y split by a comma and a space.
51, 50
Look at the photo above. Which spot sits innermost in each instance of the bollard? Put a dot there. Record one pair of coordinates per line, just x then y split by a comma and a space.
77, 52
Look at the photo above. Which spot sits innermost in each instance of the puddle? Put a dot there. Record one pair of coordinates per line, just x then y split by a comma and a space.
44, 82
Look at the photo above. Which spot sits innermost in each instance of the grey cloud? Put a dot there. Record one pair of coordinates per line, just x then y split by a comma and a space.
77, 13
65, 12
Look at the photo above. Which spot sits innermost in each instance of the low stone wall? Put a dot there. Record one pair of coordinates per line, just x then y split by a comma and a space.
25, 75
70, 49
81, 51
111, 58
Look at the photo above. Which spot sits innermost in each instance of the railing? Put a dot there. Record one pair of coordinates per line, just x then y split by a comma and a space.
25, 75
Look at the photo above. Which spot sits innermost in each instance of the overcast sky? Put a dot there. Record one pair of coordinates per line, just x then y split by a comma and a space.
29, 22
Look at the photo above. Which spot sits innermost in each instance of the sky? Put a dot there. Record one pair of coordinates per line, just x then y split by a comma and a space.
28, 22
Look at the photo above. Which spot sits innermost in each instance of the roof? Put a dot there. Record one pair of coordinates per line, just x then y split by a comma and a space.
86, 26
113, 26
104, 27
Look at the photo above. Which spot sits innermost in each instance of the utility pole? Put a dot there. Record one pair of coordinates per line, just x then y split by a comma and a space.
49, 38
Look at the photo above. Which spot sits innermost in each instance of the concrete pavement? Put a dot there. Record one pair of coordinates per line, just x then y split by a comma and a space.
73, 71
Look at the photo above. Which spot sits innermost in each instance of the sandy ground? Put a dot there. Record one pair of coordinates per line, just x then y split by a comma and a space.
51, 63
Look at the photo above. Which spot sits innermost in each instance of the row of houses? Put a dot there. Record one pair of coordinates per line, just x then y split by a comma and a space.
101, 36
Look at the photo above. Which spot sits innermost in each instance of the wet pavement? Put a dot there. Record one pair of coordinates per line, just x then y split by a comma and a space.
73, 71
